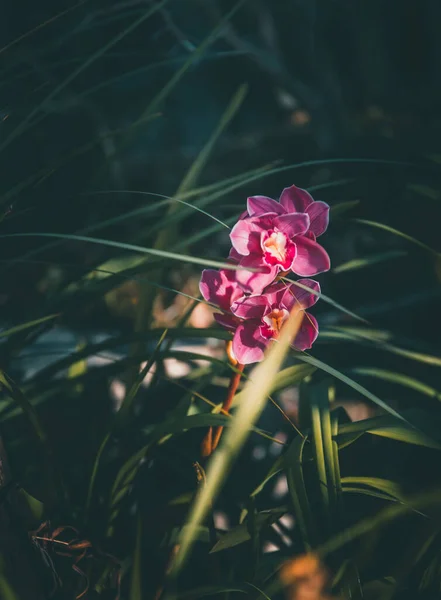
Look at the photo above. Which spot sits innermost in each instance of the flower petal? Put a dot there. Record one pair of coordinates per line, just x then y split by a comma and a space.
227, 321
259, 205
245, 235
250, 307
319, 217
220, 287
248, 344
311, 257
275, 293
255, 282
297, 296
234, 256
292, 224
307, 333
294, 199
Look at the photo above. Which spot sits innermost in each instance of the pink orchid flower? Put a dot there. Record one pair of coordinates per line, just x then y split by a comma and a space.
280, 237
221, 289
262, 317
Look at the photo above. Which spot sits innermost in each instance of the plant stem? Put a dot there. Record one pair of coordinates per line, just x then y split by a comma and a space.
211, 440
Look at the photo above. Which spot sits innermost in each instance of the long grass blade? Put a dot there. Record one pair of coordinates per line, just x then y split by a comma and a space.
255, 395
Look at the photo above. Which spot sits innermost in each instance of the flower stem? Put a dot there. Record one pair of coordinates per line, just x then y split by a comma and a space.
213, 436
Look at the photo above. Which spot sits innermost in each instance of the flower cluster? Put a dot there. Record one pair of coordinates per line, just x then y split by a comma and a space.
269, 240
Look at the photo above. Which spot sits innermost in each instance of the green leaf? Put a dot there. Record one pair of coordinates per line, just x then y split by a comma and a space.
16, 394
275, 469
297, 490
203, 592
398, 233
133, 248
34, 506
379, 339
389, 427
342, 207
33, 117
386, 486
136, 581
240, 534
255, 394
398, 378
361, 263
348, 381
326, 299
120, 419
28, 325
6, 591
418, 502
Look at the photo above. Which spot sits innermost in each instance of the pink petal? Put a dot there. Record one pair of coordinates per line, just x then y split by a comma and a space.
250, 307
307, 333
297, 296
245, 235
220, 287
319, 217
234, 257
311, 257
294, 199
227, 321
275, 293
248, 344
255, 282
259, 205
292, 224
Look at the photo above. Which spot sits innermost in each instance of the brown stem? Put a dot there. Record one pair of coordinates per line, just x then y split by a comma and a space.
211, 440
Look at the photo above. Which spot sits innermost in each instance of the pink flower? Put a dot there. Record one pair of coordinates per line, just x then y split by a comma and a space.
279, 237
221, 289
262, 317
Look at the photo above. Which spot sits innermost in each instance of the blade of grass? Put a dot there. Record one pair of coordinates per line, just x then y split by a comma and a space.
120, 420
399, 378
168, 233
351, 383
389, 427
28, 325
131, 247
326, 299
361, 263
136, 580
298, 494
398, 233
21, 128
255, 395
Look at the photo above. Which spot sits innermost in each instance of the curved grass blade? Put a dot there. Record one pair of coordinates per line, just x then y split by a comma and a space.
379, 339
121, 418
298, 494
20, 129
28, 325
136, 580
398, 233
351, 383
131, 247
325, 298
255, 394
420, 501
400, 379
361, 263
389, 427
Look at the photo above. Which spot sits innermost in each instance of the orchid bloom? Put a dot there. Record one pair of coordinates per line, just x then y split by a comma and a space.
262, 316
275, 237
221, 289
